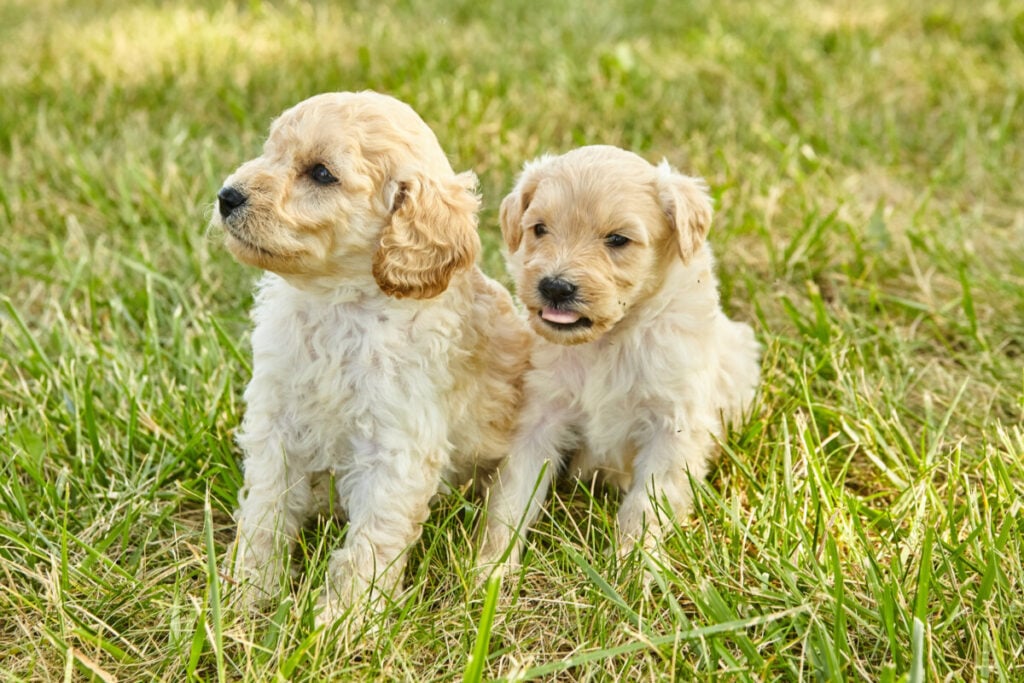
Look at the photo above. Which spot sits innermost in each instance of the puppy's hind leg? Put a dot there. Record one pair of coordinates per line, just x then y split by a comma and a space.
740, 368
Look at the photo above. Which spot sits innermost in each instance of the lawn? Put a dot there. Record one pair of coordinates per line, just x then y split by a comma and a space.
866, 162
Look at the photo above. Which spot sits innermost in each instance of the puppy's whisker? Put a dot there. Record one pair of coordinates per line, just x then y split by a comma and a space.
214, 229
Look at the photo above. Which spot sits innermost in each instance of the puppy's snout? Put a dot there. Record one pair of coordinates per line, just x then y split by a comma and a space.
229, 199
556, 290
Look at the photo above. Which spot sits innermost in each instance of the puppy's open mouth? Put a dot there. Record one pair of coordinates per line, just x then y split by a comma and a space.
561, 319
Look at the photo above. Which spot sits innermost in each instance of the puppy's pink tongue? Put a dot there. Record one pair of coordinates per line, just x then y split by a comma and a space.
561, 317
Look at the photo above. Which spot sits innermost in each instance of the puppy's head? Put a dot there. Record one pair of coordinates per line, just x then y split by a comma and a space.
592, 233
354, 189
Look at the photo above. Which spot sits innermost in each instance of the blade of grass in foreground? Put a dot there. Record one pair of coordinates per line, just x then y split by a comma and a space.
917, 647
475, 667
213, 580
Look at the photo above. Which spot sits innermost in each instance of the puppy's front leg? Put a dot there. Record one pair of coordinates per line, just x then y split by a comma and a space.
273, 505
388, 499
522, 483
662, 472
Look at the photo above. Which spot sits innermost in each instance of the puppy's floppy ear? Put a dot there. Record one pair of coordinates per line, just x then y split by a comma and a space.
687, 205
431, 236
518, 200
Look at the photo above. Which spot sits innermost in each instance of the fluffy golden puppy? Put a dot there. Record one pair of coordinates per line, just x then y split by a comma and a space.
635, 366
386, 366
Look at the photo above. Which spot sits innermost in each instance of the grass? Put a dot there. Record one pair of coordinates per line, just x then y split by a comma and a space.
865, 523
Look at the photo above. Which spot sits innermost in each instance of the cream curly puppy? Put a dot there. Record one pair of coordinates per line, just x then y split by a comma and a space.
635, 366
386, 366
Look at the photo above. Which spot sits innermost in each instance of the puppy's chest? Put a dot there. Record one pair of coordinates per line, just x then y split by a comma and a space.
619, 397
608, 396
605, 417
343, 357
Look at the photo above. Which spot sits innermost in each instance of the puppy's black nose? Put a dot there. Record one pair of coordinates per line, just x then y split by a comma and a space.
556, 290
229, 199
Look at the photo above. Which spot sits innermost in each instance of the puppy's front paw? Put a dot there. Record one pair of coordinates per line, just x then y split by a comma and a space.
330, 612
632, 528
352, 593
348, 618
245, 597
250, 589
486, 568
499, 553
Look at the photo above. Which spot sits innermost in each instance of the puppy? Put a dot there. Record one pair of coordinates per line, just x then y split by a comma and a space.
635, 367
386, 366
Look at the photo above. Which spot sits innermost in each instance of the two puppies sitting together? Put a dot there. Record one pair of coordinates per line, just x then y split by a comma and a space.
387, 366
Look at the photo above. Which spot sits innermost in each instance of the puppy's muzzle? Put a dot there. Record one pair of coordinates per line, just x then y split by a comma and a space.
560, 298
229, 199
556, 291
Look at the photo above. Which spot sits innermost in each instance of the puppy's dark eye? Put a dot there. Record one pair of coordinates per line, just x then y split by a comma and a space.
322, 176
540, 230
616, 241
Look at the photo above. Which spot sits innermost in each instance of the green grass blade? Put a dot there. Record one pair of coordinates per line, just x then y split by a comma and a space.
478, 657
604, 587
213, 592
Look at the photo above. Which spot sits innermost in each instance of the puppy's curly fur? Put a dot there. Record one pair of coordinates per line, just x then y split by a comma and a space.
635, 367
384, 361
